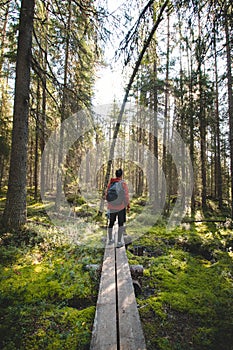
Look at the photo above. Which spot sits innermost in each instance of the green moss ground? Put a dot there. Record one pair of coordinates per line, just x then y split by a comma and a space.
187, 295
48, 297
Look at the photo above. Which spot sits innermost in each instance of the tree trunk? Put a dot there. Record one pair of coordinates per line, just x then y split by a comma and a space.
4, 123
191, 117
218, 178
44, 107
230, 100
15, 211
201, 116
202, 128
165, 157
63, 116
36, 150
3, 37
155, 171
30, 159
2, 164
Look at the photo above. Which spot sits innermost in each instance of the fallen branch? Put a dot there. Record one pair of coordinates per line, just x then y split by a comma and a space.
189, 221
39, 223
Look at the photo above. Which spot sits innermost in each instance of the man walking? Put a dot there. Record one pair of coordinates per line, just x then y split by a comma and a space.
117, 195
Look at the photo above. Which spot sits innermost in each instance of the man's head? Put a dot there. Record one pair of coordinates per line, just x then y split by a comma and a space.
119, 173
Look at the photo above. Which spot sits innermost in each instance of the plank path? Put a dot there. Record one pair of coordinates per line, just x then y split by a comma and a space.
117, 324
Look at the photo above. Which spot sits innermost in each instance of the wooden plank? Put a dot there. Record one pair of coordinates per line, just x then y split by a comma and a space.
130, 330
104, 334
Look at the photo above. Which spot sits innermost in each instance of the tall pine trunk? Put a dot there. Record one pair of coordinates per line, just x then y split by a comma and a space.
155, 172
44, 107
202, 115
191, 121
165, 156
36, 149
230, 99
202, 128
15, 210
63, 115
218, 172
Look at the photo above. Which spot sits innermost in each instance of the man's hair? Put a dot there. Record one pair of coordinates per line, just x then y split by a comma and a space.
119, 173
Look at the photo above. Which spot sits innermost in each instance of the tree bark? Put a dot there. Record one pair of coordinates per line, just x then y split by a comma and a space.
191, 115
165, 156
230, 100
36, 149
202, 117
3, 37
218, 179
44, 108
155, 171
63, 114
202, 128
15, 210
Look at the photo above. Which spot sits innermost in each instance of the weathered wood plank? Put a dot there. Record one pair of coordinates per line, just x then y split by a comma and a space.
130, 330
104, 334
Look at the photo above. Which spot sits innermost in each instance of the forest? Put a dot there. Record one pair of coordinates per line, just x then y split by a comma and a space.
169, 126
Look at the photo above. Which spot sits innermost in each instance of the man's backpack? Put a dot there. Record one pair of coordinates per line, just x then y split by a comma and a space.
116, 193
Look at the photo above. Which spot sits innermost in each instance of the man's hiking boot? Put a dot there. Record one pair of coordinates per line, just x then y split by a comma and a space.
110, 234
120, 233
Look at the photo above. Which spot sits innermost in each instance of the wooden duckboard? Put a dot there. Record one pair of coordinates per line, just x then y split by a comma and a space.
104, 333
117, 323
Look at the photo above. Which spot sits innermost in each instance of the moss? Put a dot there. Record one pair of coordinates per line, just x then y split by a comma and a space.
186, 294
53, 277
66, 328
46, 327
47, 297
77, 200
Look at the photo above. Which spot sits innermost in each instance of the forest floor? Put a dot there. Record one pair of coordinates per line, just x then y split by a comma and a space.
49, 283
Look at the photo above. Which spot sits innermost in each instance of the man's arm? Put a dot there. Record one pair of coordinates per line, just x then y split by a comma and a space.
127, 202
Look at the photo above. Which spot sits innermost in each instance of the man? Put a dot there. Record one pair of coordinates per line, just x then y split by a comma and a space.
117, 207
